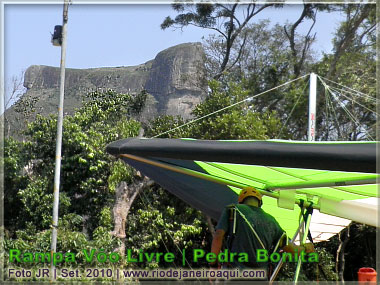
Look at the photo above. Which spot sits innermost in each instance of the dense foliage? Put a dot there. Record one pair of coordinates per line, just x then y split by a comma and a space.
86, 182
158, 221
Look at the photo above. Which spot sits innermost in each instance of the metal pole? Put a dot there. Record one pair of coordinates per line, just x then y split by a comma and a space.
279, 265
312, 107
302, 242
57, 170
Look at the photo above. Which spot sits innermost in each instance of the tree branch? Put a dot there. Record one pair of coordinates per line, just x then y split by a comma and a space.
349, 34
291, 37
125, 196
233, 34
239, 53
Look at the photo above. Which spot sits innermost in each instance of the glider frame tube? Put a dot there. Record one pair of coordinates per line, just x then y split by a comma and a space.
370, 179
279, 265
302, 242
205, 176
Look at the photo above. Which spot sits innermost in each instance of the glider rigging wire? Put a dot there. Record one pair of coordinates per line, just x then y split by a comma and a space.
329, 105
350, 115
358, 93
335, 116
291, 112
146, 207
353, 100
230, 106
369, 98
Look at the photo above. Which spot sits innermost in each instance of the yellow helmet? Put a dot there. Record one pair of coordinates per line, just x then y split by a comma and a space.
250, 192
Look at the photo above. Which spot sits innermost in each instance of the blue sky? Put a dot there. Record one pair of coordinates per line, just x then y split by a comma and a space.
114, 35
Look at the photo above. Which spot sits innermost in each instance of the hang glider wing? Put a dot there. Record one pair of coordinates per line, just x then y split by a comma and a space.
338, 177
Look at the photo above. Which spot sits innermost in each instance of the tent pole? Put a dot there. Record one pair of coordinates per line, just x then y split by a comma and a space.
302, 242
312, 107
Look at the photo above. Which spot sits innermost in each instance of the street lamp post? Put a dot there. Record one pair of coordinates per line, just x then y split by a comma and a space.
57, 170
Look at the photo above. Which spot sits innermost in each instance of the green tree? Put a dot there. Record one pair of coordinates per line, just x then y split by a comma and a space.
349, 113
160, 222
225, 19
236, 119
86, 185
266, 61
15, 178
237, 122
300, 46
89, 180
85, 164
356, 33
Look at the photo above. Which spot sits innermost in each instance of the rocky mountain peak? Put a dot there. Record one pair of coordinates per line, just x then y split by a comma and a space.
175, 80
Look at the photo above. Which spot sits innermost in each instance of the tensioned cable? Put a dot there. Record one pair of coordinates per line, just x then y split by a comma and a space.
146, 198
356, 121
146, 207
330, 105
352, 117
358, 92
291, 112
150, 204
352, 90
329, 91
232, 105
369, 98
327, 113
353, 100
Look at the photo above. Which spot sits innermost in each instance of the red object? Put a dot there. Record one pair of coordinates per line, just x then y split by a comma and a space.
367, 274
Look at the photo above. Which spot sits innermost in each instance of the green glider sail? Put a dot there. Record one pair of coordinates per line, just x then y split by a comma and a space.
339, 178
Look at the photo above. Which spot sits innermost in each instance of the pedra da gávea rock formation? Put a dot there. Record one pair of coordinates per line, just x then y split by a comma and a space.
175, 80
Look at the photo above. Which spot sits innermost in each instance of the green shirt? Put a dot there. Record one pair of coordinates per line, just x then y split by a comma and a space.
244, 240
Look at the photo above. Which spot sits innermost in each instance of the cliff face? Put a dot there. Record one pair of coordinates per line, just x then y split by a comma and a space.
38, 77
175, 79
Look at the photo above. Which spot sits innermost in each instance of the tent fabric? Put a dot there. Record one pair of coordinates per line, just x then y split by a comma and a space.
304, 167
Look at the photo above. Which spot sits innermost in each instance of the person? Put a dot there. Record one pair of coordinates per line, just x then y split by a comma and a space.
248, 228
